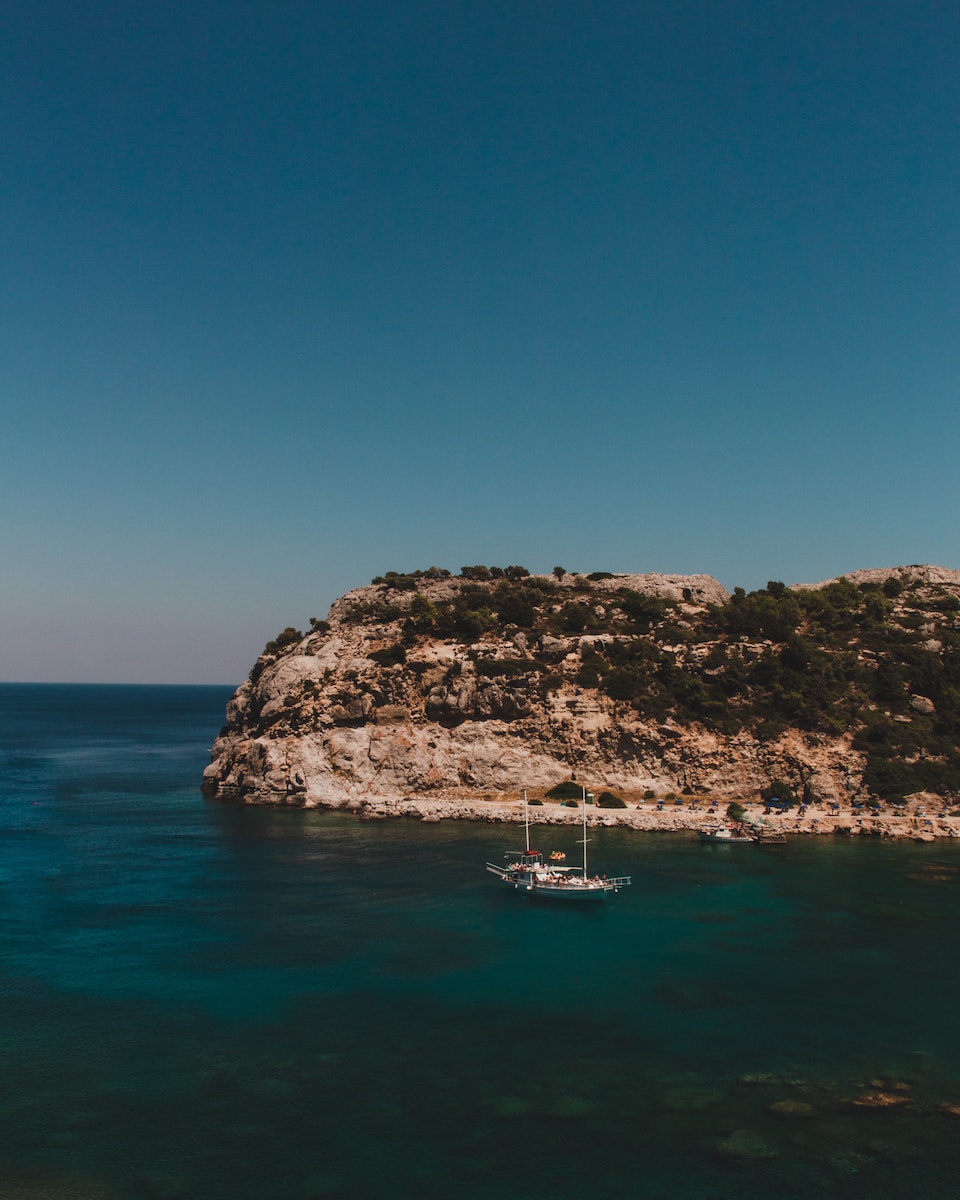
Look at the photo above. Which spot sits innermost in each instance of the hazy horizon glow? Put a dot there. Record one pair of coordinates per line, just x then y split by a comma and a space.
297, 294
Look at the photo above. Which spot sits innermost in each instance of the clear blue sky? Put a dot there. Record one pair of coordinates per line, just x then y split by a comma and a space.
294, 294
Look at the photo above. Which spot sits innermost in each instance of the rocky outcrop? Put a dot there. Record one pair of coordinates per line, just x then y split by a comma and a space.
913, 576
435, 685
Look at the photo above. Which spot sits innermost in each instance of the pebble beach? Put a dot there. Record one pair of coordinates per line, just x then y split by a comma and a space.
921, 818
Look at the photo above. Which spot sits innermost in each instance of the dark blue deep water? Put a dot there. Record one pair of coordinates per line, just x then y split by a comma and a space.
212, 1002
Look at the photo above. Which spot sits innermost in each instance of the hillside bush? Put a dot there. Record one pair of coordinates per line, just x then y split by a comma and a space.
643, 611
389, 656
516, 605
778, 790
575, 618
406, 581
496, 668
283, 641
565, 791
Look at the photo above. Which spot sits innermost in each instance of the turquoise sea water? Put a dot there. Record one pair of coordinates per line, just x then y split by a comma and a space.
209, 1001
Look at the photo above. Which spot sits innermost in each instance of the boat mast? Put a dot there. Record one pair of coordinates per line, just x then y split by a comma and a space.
526, 818
583, 800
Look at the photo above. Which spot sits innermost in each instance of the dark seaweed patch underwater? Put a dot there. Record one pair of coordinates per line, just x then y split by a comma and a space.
218, 1002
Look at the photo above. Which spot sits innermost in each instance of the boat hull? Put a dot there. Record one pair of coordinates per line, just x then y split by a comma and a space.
553, 885
565, 892
725, 841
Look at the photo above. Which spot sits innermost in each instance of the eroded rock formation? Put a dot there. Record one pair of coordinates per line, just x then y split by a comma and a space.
434, 685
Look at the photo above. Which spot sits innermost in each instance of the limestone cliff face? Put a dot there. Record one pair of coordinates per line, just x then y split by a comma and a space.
449, 686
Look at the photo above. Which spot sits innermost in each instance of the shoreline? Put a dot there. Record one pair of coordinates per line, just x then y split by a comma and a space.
917, 822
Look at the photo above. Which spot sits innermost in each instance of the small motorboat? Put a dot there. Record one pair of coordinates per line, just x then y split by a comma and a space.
726, 833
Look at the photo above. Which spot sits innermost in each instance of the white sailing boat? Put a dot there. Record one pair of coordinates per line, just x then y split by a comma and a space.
527, 872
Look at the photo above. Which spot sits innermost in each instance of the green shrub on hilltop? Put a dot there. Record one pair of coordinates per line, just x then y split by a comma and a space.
760, 614
283, 641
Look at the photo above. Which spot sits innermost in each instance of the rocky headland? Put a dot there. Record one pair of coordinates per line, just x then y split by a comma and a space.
441, 695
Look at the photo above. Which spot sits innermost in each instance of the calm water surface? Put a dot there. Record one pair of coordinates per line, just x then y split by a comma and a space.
209, 1001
